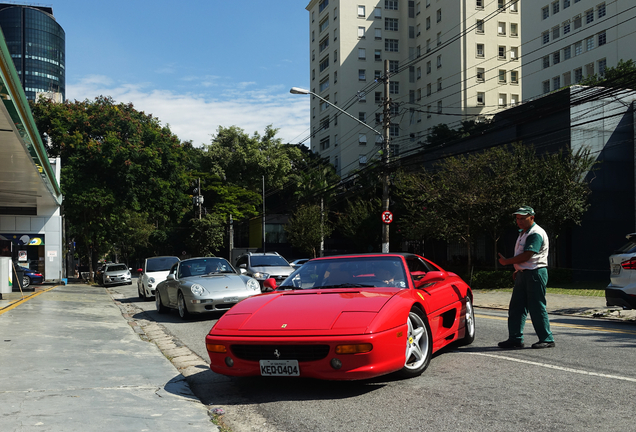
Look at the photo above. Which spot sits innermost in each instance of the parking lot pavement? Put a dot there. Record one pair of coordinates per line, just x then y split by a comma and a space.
69, 361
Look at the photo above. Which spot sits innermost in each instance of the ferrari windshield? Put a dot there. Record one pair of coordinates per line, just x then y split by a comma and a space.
355, 272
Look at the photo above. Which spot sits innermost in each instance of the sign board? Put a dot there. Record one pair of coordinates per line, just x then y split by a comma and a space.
387, 217
51, 253
22, 255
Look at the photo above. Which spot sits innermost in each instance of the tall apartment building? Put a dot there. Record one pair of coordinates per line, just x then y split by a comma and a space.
37, 44
449, 60
568, 40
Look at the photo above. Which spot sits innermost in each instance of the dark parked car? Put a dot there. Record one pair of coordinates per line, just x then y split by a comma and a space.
31, 277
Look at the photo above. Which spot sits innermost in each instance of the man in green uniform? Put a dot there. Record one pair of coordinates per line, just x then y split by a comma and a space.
531, 278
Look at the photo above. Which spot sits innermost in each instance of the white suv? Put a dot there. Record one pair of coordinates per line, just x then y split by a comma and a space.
155, 270
622, 288
264, 265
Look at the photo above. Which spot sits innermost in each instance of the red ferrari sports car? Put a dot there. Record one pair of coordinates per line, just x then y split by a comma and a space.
346, 318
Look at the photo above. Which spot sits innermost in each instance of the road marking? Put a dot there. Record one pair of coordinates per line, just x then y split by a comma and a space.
561, 368
575, 326
23, 300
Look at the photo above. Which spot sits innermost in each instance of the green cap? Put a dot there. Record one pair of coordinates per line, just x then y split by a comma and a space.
525, 210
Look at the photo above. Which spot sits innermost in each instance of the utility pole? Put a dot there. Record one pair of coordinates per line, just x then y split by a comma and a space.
263, 213
386, 123
199, 197
231, 241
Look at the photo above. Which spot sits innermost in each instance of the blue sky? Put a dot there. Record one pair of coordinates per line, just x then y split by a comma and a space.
196, 64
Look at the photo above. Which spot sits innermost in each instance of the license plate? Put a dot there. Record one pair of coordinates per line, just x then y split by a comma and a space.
230, 299
279, 368
616, 269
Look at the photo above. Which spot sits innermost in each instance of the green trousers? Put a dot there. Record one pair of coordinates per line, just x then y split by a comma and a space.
528, 295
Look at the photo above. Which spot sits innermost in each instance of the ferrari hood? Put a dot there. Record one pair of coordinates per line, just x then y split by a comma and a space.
304, 310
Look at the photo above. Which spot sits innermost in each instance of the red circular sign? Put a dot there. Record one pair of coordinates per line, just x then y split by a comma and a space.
387, 217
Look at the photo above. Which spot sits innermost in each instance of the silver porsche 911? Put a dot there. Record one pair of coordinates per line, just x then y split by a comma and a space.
199, 285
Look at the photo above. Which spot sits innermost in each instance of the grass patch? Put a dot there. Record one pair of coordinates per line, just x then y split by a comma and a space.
568, 290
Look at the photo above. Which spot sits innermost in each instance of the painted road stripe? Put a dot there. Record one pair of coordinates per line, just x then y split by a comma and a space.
561, 368
575, 326
23, 300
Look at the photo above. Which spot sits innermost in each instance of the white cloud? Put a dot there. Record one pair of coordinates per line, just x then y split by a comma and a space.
196, 117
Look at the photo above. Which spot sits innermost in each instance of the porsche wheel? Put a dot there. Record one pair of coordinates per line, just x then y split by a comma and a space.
469, 337
26, 281
160, 307
419, 345
183, 309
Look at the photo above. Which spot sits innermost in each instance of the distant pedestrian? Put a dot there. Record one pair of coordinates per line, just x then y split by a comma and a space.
531, 278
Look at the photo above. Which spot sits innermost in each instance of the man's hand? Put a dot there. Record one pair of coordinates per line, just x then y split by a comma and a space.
502, 260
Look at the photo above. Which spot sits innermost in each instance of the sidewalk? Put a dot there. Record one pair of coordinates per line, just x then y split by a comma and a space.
69, 361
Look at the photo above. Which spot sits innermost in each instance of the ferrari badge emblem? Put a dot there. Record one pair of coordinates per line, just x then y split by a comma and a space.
276, 353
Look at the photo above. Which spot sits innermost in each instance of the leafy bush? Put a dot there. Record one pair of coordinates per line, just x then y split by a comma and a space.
492, 279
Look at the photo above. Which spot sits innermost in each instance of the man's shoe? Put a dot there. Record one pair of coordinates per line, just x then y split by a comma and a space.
540, 345
510, 344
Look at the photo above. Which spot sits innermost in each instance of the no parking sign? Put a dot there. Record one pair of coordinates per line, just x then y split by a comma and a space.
387, 217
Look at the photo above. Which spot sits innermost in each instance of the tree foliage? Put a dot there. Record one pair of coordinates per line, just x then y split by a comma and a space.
623, 75
307, 228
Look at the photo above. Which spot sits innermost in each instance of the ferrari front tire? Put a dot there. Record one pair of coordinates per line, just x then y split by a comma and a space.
419, 345
182, 307
160, 307
469, 323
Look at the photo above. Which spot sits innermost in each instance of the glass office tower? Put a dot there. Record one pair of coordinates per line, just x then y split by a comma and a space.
37, 45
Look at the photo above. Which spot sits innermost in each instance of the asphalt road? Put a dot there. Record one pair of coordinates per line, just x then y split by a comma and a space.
587, 382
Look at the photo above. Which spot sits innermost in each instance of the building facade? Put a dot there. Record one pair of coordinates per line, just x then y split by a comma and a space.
448, 61
37, 44
568, 40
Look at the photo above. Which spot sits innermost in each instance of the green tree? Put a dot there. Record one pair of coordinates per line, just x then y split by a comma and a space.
623, 75
359, 221
305, 229
206, 235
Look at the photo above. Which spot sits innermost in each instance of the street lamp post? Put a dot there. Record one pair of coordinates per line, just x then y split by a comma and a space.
385, 146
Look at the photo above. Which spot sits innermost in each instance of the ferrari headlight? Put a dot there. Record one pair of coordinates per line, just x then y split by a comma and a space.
261, 275
197, 290
253, 284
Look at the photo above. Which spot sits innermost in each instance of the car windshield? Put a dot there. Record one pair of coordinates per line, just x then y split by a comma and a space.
268, 260
160, 264
341, 272
630, 247
205, 267
116, 267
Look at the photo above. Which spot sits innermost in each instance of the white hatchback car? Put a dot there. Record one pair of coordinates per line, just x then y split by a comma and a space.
155, 270
622, 288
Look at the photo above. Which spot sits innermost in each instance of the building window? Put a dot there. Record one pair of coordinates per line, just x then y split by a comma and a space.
439, 15
378, 97
602, 39
556, 57
546, 87
439, 61
394, 130
428, 89
567, 53
545, 12
602, 66
514, 53
391, 45
418, 73
429, 109
578, 75
578, 48
501, 28
439, 107
514, 6
324, 44
378, 33
479, 4
362, 75
439, 38
335, 77
391, 24
567, 79
324, 123
324, 24
501, 52
428, 23
439, 84
361, 11
589, 16
545, 37
362, 116
335, 56
481, 75
428, 67
514, 99
324, 64
556, 82
362, 54
391, 4
600, 9
555, 7
481, 98
514, 77
479, 27
324, 84
502, 75
501, 4
566, 4
577, 22
589, 69
362, 139
361, 31
322, 5
546, 62
324, 143
394, 65
566, 27
394, 87
503, 100
556, 32
378, 55
377, 12
589, 43
480, 50
514, 29
412, 32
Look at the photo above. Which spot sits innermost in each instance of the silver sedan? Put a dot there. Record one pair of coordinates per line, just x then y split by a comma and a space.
199, 285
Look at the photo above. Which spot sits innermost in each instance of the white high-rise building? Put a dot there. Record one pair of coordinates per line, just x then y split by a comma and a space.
567, 40
449, 61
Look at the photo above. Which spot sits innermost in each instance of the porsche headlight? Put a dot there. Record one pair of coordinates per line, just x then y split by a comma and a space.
253, 284
261, 275
197, 290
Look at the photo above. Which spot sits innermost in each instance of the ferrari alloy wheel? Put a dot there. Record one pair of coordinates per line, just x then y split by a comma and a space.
183, 309
469, 318
160, 307
419, 345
